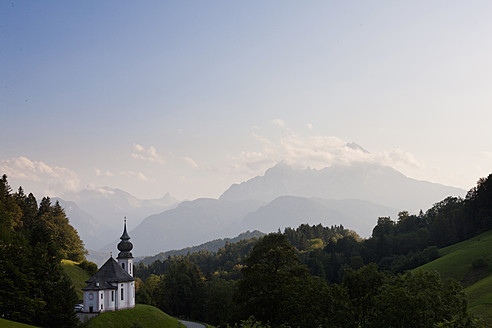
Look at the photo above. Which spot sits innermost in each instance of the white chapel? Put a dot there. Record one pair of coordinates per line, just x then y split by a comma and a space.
112, 287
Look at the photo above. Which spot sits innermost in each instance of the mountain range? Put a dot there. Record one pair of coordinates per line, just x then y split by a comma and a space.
371, 182
99, 212
352, 195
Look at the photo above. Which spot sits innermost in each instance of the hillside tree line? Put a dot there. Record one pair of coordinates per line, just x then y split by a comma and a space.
33, 239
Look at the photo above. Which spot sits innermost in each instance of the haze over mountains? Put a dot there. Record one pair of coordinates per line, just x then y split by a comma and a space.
98, 213
352, 195
371, 182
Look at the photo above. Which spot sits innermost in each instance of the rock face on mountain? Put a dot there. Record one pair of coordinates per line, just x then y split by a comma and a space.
371, 182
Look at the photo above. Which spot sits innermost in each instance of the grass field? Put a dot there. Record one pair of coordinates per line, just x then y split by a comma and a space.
77, 274
12, 324
456, 262
144, 316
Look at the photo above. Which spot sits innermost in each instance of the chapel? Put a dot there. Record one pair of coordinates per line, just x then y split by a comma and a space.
112, 287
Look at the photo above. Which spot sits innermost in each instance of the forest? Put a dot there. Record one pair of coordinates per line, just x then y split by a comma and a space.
314, 276
33, 240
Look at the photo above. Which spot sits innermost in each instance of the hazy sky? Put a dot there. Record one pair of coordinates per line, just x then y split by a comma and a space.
188, 97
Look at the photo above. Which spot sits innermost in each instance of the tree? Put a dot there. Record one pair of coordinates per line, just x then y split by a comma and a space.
181, 291
362, 286
428, 301
276, 289
269, 270
33, 286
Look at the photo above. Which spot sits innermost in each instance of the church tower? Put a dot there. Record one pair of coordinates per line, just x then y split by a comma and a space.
125, 257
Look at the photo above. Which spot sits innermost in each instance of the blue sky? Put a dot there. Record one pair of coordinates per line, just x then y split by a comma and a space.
189, 97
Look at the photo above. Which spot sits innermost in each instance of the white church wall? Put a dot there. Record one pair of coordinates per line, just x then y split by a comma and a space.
127, 289
91, 301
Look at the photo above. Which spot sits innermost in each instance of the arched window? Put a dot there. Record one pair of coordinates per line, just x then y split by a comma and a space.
123, 265
122, 294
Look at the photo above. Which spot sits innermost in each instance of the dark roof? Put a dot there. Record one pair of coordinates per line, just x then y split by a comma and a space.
108, 276
125, 235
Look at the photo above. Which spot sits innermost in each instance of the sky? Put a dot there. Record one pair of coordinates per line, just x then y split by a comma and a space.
189, 97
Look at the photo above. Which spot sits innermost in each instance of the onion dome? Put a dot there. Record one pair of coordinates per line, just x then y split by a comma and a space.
125, 246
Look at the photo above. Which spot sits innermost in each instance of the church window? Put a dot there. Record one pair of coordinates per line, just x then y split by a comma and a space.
122, 294
123, 265
130, 267
91, 296
102, 296
112, 296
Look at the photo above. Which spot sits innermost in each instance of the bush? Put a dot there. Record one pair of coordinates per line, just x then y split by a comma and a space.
479, 263
89, 267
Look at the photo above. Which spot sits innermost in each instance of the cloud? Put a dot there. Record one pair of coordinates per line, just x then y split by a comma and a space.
38, 177
279, 122
315, 151
138, 175
191, 162
101, 190
309, 126
100, 173
147, 154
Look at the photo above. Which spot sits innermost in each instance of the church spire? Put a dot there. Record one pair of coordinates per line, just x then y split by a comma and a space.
125, 246
125, 235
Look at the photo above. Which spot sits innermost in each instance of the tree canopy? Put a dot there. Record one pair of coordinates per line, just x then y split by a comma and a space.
33, 287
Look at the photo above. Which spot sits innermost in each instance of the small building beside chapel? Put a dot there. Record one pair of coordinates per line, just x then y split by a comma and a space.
112, 287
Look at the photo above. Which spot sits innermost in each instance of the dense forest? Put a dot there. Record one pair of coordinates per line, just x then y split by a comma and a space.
314, 275
33, 240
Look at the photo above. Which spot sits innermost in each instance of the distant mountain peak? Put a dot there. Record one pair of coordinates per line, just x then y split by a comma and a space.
361, 180
355, 146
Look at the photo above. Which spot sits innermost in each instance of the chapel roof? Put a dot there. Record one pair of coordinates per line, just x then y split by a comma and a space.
108, 276
125, 245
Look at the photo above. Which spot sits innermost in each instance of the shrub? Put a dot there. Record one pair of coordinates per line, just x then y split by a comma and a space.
479, 263
89, 267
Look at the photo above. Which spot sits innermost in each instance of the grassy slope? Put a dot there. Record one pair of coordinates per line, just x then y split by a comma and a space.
12, 324
456, 262
78, 276
144, 315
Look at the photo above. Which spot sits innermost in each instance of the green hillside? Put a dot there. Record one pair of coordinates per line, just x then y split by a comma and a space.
77, 274
456, 262
141, 316
12, 324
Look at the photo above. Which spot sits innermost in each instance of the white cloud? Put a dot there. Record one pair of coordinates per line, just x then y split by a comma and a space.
279, 122
191, 162
147, 154
101, 190
315, 151
309, 126
38, 177
100, 173
138, 175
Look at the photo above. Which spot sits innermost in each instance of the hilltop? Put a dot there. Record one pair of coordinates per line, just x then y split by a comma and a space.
144, 316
